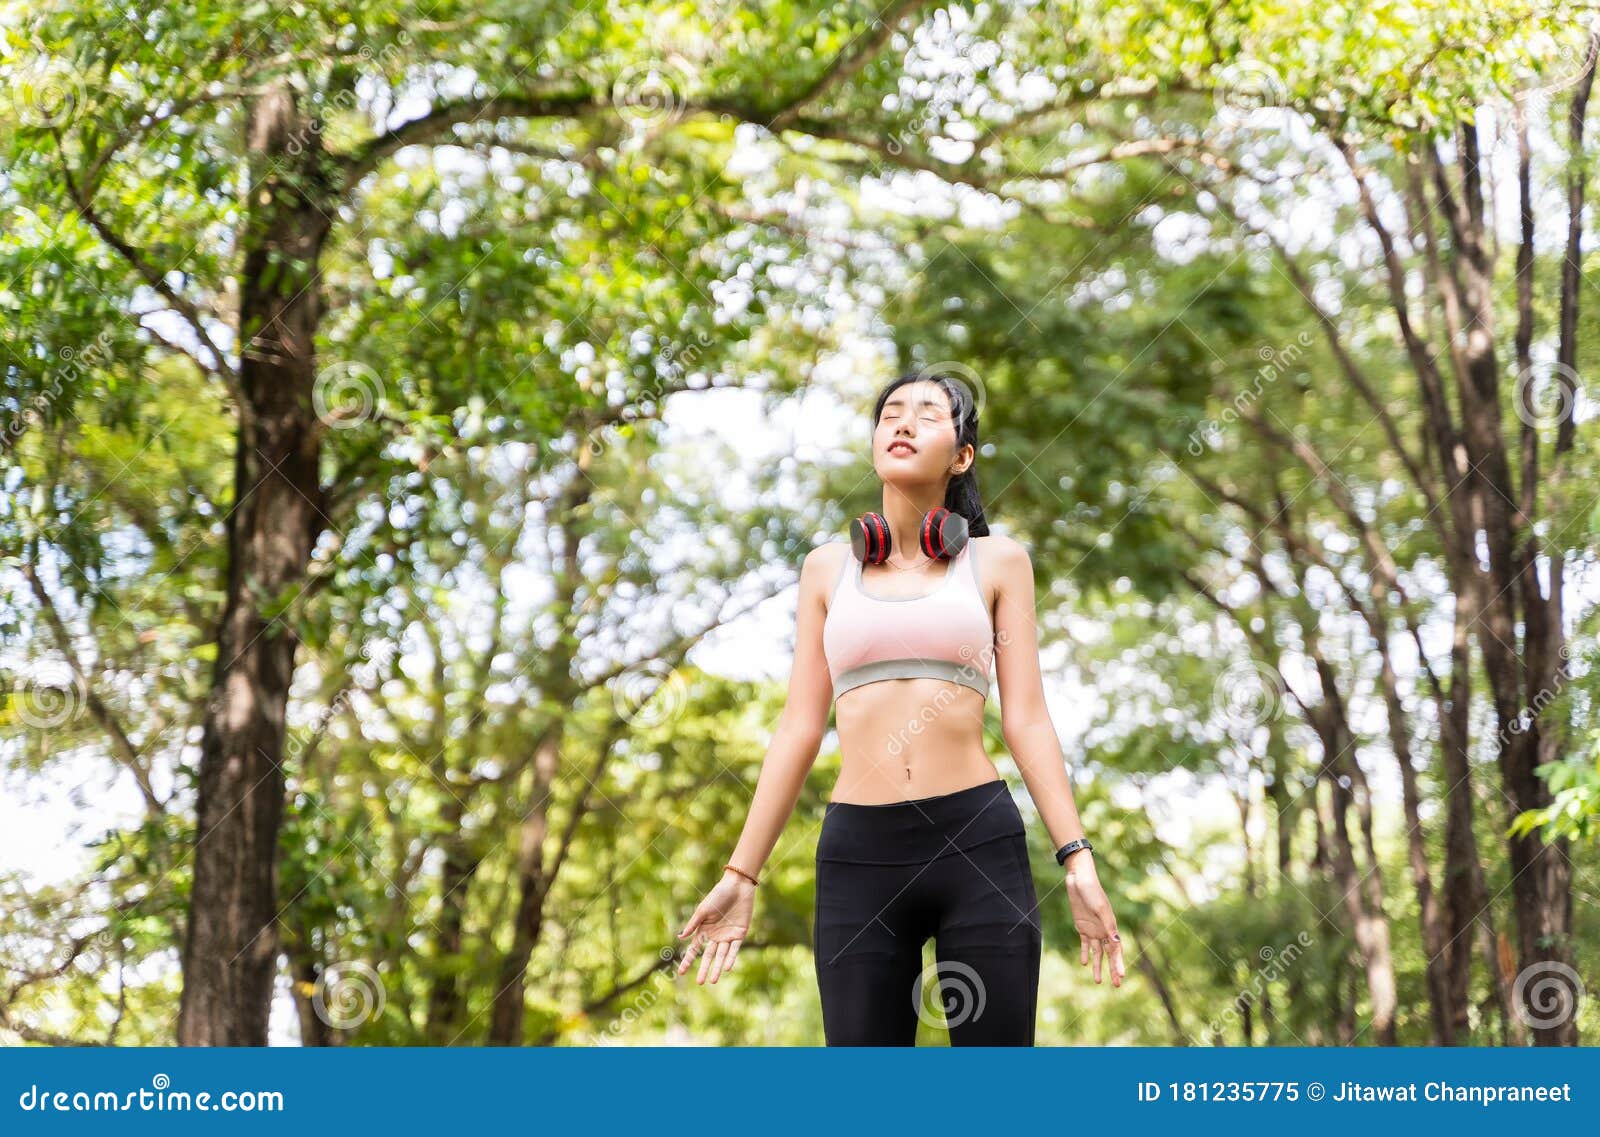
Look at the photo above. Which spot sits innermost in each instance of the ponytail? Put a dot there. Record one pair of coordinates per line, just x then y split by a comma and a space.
961, 496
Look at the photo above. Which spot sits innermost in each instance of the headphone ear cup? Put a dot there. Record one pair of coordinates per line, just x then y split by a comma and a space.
869, 539
944, 534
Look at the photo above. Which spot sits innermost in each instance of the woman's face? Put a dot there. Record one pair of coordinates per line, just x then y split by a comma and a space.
915, 439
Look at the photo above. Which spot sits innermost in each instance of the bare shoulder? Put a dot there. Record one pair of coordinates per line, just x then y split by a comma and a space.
1003, 555
822, 564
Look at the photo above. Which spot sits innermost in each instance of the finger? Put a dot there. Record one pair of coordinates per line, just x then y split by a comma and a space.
689, 954
718, 960
1099, 954
705, 963
733, 954
1117, 962
695, 919
1113, 944
1083, 950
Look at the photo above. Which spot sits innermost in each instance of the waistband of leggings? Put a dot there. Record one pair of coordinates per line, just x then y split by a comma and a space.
917, 831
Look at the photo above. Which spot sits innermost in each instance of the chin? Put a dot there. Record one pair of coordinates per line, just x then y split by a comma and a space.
897, 472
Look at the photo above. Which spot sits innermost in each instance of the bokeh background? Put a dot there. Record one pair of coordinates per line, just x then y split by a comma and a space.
414, 416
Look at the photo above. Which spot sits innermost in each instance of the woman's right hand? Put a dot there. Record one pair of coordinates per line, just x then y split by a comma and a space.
1092, 916
721, 921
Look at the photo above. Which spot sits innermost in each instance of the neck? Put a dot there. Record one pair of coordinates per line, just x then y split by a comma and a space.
904, 512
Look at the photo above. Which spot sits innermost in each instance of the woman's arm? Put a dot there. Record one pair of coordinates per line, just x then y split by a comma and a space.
1031, 736
798, 735
720, 922
1024, 718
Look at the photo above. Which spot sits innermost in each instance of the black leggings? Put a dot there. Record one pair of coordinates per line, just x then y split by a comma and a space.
954, 867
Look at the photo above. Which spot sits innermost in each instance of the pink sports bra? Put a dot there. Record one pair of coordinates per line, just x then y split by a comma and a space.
945, 634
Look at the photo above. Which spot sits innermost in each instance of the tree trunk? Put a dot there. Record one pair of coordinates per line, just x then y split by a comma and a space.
1468, 914
1345, 1029
305, 970
1506, 588
230, 950
505, 1026
1435, 942
1362, 893
447, 993
534, 877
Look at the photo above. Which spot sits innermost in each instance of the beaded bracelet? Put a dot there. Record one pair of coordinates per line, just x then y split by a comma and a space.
742, 873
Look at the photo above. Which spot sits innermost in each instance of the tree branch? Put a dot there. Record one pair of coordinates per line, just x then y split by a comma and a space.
438, 122
848, 62
126, 753
152, 276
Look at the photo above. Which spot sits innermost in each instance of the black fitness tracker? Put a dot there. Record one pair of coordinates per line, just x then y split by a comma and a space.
1072, 847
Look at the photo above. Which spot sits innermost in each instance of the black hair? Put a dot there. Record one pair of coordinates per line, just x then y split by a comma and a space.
961, 494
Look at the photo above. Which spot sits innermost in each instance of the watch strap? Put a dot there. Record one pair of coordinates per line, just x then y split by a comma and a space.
1072, 847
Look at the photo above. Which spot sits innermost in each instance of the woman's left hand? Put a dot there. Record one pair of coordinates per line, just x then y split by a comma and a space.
1092, 916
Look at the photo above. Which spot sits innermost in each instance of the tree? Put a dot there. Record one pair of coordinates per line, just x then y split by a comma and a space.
234, 155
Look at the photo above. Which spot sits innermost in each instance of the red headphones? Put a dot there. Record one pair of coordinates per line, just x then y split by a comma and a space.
943, 534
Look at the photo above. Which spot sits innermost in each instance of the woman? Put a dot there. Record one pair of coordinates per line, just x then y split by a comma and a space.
920, 836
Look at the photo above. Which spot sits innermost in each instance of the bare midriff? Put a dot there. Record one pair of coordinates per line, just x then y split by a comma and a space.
902, 739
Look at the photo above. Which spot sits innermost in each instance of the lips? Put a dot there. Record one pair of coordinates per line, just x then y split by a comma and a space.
902, 448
